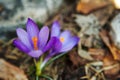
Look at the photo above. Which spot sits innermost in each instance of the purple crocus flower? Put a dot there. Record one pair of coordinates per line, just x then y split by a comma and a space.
33, 42
64, 42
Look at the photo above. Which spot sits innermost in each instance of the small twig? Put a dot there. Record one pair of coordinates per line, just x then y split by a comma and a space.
98, 72
110, 67
103, 77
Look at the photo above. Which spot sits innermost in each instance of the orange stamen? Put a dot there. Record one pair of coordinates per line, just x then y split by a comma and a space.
35, 40
62, 39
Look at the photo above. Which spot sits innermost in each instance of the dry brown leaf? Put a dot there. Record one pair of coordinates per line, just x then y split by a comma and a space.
104, 14
109, 61
97, 54
76, 59
113, 49
105, 37
86, 6
10, 72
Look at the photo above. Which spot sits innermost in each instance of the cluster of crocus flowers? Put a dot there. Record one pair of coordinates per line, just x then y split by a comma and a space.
35, 42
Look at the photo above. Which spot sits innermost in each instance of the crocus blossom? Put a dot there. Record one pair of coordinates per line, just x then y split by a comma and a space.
32, 41
64, 41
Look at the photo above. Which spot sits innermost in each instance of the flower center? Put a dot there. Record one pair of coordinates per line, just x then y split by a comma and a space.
62, 39
35, 40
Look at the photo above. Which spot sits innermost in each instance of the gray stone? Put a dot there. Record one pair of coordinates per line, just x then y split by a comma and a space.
17, 11
14, 13
89, 24
115, 30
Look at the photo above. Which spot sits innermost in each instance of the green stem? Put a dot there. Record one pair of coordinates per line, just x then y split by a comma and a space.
38, 68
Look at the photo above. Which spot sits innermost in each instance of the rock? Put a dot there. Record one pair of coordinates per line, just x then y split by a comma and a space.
38, 10
10, 72
89, 24
115, 30
14, 13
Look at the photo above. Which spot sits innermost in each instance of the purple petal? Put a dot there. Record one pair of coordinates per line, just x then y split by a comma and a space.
43, 37
56, 48
32, 28
66, 36
23, 36
70, 44
55, 29
50, 44
54, 51
20, 46
35, 53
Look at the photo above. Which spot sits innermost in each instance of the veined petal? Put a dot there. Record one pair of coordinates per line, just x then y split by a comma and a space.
35, 53
50, 44
23, 36
55, 29
32, 28
56, 48
65, 37
70, 44
43, 37
21, 46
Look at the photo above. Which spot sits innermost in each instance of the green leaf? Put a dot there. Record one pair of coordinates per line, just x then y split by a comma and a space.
47, 77
53, 59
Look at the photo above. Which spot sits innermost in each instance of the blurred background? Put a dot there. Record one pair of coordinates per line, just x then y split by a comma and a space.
96, 22
14, 13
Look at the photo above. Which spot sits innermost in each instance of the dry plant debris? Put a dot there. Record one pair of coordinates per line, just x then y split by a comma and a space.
95, 70
76, 59
115, 30
10, 72
114, 66
89, 24
97, 54
113, 49
86, 6
99, 61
